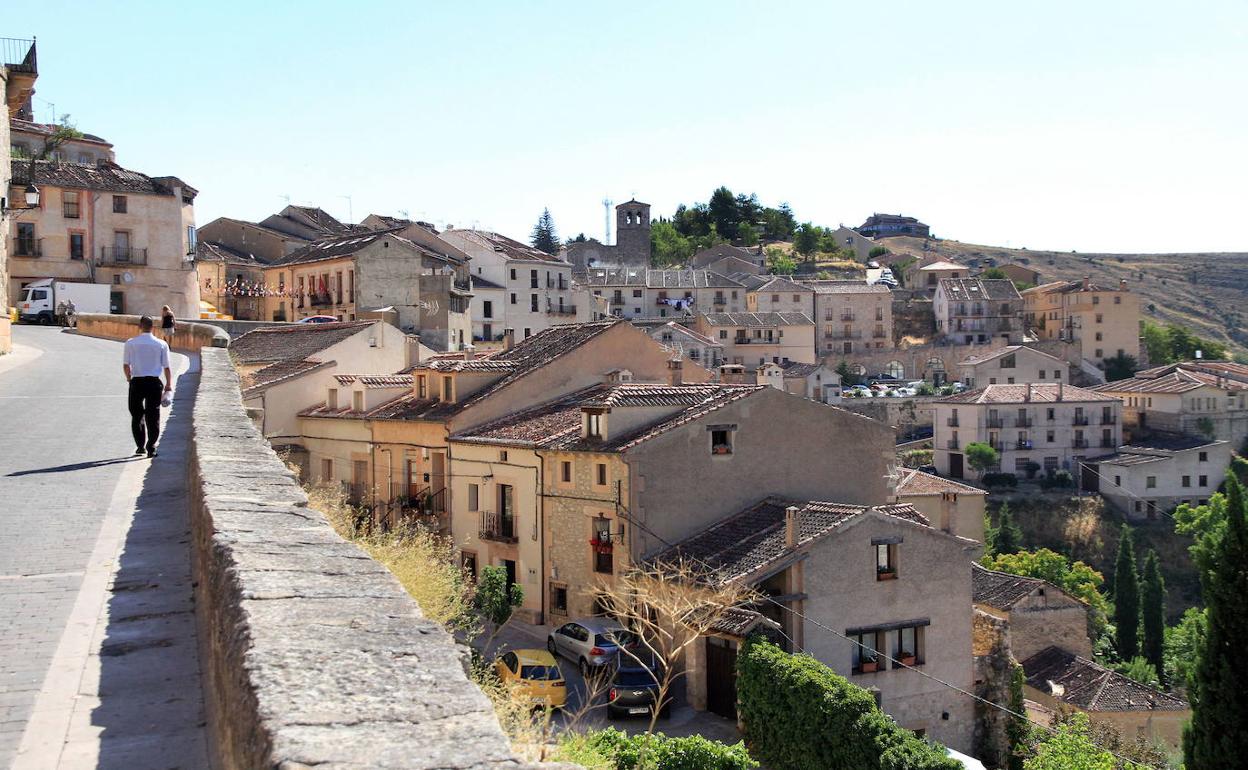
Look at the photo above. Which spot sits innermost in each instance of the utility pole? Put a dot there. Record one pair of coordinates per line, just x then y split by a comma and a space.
606, 216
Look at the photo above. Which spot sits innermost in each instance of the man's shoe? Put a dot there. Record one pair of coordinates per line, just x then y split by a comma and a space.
138, 451
151, 452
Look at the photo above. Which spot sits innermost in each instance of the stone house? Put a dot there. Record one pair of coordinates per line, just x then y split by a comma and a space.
885, 225
1055, 426
735, 267
870, 592
1201, 398
632, 242
1021, 274
308, 223
102, 223
927, 277
780, 295
815, 381
597, 445
951, 507
263, 244
233, 282
852, 316
1160, 473
1037, 614
487, 309
1105, 320
1058, 679
757, 338
637, 293
537, 287
978, 310
712, 255
1012, 364
854, 241
18, 77
285, 369
27, 138
689, 344
428, 288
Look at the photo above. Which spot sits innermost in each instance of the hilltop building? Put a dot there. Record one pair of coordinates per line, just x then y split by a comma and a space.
977, 310
885, 225
632, 242
1104, 320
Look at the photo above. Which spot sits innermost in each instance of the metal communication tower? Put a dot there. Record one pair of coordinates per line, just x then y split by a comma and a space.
606, 216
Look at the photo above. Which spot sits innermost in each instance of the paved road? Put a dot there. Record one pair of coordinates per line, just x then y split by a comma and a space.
98, 664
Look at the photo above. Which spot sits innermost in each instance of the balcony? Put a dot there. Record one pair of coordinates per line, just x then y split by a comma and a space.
1079, 419
320, 300
560, 309
26, 247
1022, 443
1107, 443
842, 335
1023, 422
122, 255
878, 334
952, 444
1109, 419
500, 528
995, 422
1080, 443
952, 422
19, 55
997, 445
847, 316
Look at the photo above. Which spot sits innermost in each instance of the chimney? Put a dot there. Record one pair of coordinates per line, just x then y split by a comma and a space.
1027, 395
1087, 282
1060, 391
509, 339
792, 526
675, 375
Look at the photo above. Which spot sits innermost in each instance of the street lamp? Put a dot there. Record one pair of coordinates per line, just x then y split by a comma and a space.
32, 195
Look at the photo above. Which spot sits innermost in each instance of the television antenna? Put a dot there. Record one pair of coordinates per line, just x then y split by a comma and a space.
606, 216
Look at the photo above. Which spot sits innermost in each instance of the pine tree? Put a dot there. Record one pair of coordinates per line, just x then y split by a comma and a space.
1126, 598
1006, 537
544, 237
1215, 738
1153, 604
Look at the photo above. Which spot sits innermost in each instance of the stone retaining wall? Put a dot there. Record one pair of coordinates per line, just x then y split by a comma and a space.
313, 653
188, 335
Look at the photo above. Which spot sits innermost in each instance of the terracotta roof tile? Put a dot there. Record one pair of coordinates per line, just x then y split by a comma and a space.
1091, 687
104, 176
376, 380
259, 381
979, 288
1001, 589
508, 248
758, 319
847, 287
294, 342
915, 482
1038, 393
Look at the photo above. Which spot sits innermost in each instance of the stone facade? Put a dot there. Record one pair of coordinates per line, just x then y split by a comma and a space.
632, 242
852, 317
1012, 364
1147, 479
1105, 319
978, 310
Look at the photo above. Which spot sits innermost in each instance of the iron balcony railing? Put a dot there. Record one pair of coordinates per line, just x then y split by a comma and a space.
1109, 419
560, 309
320, 300
1022, 443
842, 335
19, 55
1080, 443
122, 255
1079, 420
995, 422
1023, 422
498, 527
952, 422
952, 443
879, 334
27, 247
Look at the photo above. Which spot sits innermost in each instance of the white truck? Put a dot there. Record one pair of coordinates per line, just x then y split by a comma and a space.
45, 301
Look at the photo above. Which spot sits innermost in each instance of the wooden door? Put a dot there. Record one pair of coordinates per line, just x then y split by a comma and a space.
721, 677
955, 465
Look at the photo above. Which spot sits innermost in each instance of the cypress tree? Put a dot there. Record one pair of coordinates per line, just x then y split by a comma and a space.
1007, 537
1153, 604
1216, 738
1018, 729
1126, 599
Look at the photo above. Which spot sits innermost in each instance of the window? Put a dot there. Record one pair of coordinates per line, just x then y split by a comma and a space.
487, 309
1187, 481
357, 401
446, 388
885, 561
1008, 362
1042, 374
601, 474
532, 279
1050, 436
502, 455
1117, 300
473, 497
1100, 353
1100, 317
513, 296
513, 274
1100, 336
604, 561
565, 472
327, 470
721, 441
533, 303
1051, 413
723, 334
27, 245
1117, 481
190, 239
1096, 300
1204, 482
528, 332
421, 389
866, 652
909, 647
593, 425
775, 299
1204, 457
1150, 482
636, 293
558, 598
75, 246
331, 401
119, 204
69, 204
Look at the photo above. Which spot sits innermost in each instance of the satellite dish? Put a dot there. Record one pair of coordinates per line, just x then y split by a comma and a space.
128, 277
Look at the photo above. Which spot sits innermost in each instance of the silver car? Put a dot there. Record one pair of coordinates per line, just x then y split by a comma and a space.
591, 643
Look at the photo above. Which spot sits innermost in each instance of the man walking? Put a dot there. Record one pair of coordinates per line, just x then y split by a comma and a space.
145, 358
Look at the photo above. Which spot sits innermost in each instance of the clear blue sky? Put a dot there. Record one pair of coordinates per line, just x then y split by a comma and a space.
1097, 126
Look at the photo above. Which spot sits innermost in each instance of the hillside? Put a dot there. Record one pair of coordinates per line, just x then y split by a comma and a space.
1207, 293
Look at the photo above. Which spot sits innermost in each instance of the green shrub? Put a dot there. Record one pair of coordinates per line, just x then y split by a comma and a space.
1000, 480
660, 752
800, 714
1058, 480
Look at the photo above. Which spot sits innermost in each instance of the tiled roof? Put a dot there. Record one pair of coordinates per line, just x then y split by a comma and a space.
794, 369
979, 288
481, 282
688, 279
749, 541
1091, 687
613, 276
1170, 442
915, 482
780, 285
215, 252
1182, 377
316, 217
463, 365
979, 358
295, 342
259, 381
557, 424
847, 287
376, 380
104, 176
758, 319
943, 265
333, 247
1038, 393
1127, 459
739, 621
1001, 589
720, 251
508, 248
685, 331
750, 281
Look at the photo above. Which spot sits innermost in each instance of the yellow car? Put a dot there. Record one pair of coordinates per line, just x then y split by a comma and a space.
535, 674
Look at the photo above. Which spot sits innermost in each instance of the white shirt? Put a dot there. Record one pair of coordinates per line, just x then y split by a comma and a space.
146, 356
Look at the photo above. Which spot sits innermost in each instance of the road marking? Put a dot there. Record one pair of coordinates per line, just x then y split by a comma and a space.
41, 575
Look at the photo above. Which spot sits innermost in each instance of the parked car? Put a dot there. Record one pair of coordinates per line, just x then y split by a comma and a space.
536, 674
635, 687
591, 643
318, 319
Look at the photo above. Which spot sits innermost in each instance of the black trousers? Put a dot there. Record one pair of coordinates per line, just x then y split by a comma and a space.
145, 395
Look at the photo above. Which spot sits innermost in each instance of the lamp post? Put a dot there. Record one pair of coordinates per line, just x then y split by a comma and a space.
32, 195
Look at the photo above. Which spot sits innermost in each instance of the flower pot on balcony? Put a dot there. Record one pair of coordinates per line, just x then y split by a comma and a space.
907, 659
869, 666
886, 574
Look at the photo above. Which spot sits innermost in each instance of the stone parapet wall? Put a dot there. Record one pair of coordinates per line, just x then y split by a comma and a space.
187, 336
313, 654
